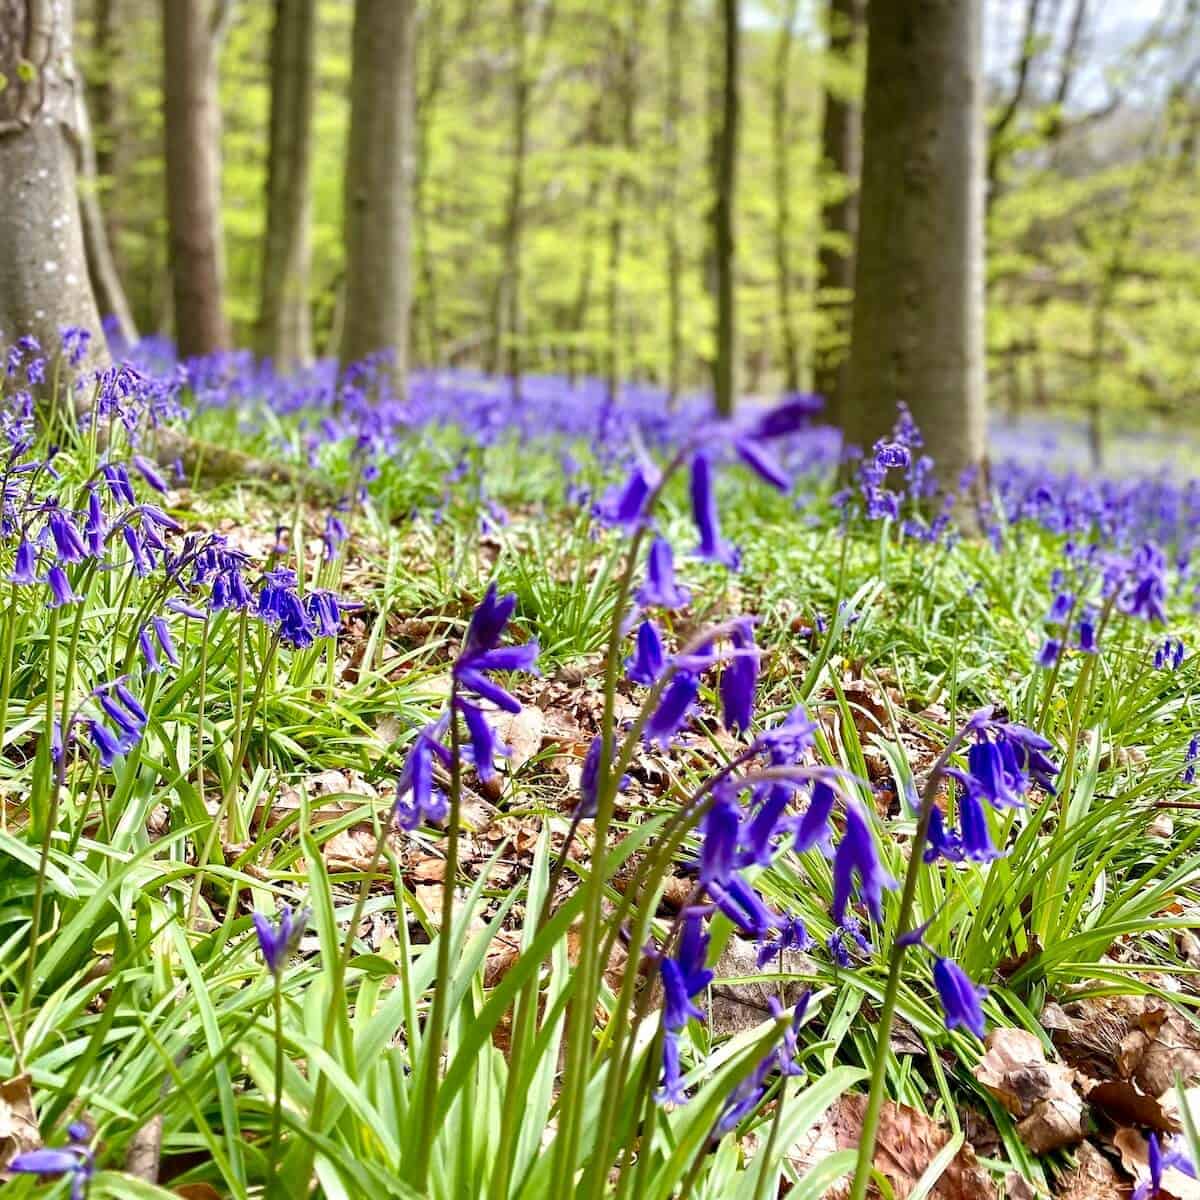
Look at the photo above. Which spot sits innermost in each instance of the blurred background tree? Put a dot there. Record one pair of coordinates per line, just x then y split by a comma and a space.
564, 193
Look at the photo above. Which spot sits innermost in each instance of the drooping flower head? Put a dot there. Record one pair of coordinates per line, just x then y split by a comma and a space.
278, 939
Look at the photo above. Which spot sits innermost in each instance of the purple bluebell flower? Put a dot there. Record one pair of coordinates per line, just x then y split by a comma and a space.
739, 679
660, 589
783, 419
334, 535
940, 842
704, 512
987, 770
67, 542
857, 853
789, 741
673, 711
743, 906
418, 798
25, 565
277, 940
1087, 635
758, 838
974, 836
891, 455
589, 779
147, 470
1060, 610
625, 504
163, 635
60, 588
763, 463
673, 1091
75, 1160
484, 745
646, 664
961, 999
1048, 656
720, 832
792, 935
482, 653
107, 744
813, 827
1174, 1157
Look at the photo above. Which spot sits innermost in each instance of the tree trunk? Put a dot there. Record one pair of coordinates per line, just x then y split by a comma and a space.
917, 327
841, 157
725, 364
781, 149
506, 303
102, 267
108, 52
379, 171
284, 330
672, 117
43, 272
191, 120
628, 32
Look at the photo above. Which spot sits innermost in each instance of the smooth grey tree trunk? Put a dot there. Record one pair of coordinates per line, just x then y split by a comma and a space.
378, 187
725, 164
102, 265
917, 328
672, 117
44, 281
191, 121
284, 331
841, 161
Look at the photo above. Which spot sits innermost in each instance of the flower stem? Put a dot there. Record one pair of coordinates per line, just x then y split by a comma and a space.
273, 1182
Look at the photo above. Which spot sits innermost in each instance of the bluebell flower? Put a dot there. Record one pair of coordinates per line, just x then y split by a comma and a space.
95, 528
147, 470
763, 463
673, 1091
784, 419
25, 565
127, 723
646, 664
625, 505
743, 906
1060, 610
660, 589
117, 479
484, 744
720, 832
674, 709
975, 838
107, 744
60, 588
704, 512
857, 854
1175, 1157
141, 561
163, 634
739, 679
813, 827
961, 999
418, 798
67, 542
758, 837
792, 935
789, 741
75, 1160
334, 535
891, 455
481, 652
986, 768
589, 779
277, 940
1048, 656
849, 932
941, 843
1087, 635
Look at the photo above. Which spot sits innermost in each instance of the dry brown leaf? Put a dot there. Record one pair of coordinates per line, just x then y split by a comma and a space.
18, 1125
1041, 1093
351, 849
1017, 1187
198, 1191
1135, 1158
1094, 1178
523, 732
907, 1143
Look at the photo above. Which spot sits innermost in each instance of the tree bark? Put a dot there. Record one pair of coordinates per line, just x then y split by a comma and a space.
102, 266
628, 33
781, 148
841, 157
506, 303
917, 325
672, 117
378, 185
284, 330
725, 364
44, 282
191, 120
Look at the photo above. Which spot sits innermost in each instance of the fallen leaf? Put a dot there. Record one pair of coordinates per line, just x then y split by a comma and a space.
1040, 1093
908, 1141
18, 1125
1017, 1187
1094, 1178
523, 732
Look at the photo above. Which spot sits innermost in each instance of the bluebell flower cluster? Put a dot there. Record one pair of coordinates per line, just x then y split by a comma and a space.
74, 1161
419, 799
279, 938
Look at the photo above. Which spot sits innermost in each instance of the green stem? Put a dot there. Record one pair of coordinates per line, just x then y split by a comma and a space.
273, 1182
435, 1029
875, 1097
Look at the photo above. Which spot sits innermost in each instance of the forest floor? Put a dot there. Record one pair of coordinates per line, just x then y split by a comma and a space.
1084, 932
